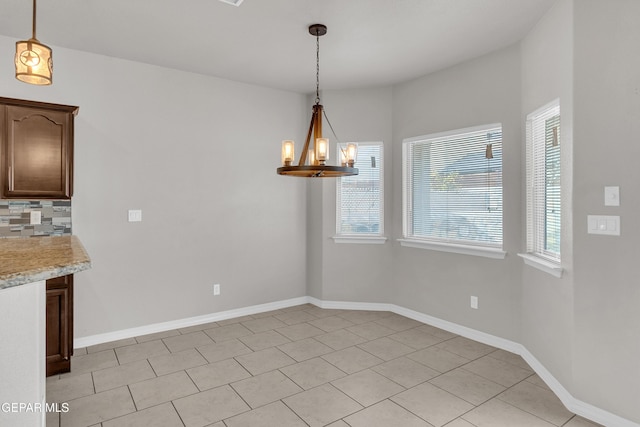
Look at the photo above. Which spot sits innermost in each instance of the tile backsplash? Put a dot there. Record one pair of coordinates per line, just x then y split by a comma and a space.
15, 218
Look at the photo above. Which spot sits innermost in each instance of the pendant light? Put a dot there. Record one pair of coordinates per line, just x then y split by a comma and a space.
313, 161
34, 62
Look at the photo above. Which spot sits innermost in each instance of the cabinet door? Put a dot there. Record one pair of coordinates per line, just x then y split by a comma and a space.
59, 324
37, 153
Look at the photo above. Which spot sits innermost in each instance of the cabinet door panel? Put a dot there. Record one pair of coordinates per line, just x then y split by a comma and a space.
37, 150
56, 323
59, 337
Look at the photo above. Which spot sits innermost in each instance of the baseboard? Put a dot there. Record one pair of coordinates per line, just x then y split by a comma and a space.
184, 323
348, 305
574, 405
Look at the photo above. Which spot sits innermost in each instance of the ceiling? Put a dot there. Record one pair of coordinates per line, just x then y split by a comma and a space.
266, 42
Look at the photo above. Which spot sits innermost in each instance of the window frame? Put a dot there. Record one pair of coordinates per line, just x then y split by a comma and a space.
444, 245
361, 238
536, 254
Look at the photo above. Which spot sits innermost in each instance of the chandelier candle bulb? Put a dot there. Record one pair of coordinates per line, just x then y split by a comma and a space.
351, 154
322, 150
287, 152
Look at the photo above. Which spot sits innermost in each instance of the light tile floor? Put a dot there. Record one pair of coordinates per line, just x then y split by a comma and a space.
304, 366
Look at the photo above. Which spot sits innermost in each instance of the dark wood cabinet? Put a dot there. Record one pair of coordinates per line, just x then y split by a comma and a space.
37, 149
59, 333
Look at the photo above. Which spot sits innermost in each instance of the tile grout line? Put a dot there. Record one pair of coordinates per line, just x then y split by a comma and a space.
291, 409
179, 416
243, 399
152, 368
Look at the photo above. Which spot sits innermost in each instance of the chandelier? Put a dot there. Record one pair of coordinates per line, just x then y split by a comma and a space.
313, 160
34, 62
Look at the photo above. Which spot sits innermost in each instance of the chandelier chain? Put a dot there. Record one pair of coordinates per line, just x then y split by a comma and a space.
317, 68
33, 26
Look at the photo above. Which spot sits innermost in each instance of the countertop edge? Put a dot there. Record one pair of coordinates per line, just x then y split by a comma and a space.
23, 279
36, 259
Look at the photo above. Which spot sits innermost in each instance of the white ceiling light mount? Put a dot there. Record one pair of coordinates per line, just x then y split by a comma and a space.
232, 2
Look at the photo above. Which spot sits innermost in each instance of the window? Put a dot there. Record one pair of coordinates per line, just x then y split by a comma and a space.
543, 183
360, 202
452, 190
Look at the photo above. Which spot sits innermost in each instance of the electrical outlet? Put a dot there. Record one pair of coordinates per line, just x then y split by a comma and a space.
35, 217
474, 302
216, 289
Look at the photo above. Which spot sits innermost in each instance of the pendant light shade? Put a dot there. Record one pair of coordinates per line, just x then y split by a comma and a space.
34, 60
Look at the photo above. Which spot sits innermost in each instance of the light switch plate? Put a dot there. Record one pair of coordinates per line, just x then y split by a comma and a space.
135, 215
603, 224
612, 196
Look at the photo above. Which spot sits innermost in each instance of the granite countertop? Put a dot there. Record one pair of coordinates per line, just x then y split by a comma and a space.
27, 260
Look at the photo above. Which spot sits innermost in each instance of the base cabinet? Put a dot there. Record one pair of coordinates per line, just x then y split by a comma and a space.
59, 335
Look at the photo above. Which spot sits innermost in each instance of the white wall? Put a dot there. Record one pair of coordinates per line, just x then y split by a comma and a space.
606, 151
584, 328
483, 91
349, 271
198, 155
547, 302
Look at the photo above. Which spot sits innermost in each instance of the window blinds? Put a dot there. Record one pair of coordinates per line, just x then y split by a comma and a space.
359, 201
543, 182
453, 187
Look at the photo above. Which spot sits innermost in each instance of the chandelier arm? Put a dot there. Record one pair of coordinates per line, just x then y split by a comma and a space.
305, 149
330, 127
334, 133
317, 131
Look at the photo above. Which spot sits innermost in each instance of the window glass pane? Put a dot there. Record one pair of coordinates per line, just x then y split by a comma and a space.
359, 197
455, 187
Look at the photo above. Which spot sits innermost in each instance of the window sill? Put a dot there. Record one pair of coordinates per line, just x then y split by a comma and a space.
456, 249
542, 264
367, 240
